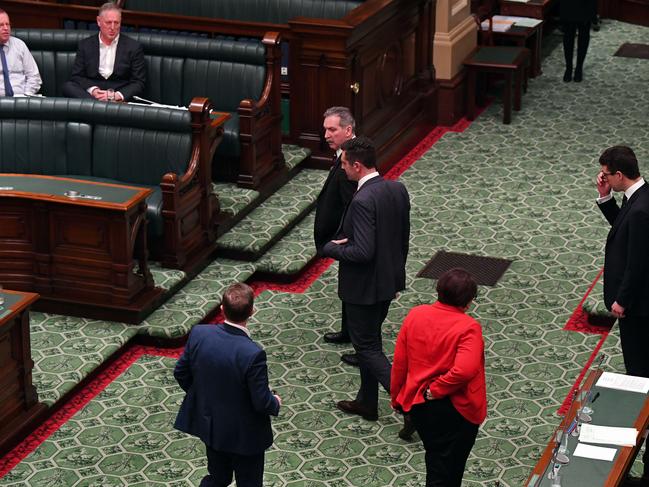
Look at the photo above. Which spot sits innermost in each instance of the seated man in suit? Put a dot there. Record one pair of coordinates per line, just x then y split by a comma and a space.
228, 403
20, 74
108, 66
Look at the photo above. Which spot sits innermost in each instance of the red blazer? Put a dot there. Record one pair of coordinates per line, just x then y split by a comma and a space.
440, 345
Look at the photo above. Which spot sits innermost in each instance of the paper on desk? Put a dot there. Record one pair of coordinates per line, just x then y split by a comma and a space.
497, 25
596, 452
609, 435
520, 21
624, 382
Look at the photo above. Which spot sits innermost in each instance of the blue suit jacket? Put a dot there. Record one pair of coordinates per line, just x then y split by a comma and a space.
227, 402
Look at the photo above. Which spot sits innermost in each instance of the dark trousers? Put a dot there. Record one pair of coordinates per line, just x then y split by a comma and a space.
364, 324
569, 31
448, 439
343, 322
248, 469
634, 337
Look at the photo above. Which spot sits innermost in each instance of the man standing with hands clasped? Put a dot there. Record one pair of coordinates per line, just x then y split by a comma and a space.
371, 246
228, 403
626, 262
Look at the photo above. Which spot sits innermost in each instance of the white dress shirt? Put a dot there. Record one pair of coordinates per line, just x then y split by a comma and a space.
366, 178
628, 193
23, 71
107, 55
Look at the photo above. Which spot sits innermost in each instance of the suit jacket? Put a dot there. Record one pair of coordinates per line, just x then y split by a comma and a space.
129, 72
335, 195
227, 402
440, 345
626, 260
373, 261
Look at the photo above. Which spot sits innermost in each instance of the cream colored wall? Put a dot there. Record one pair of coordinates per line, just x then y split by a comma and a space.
455, 36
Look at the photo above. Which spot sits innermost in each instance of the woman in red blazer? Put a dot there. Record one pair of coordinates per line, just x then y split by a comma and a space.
438, 377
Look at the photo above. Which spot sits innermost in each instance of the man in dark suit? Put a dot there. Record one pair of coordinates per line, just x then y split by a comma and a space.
337, 192
108, 66
371, 247
626, 260
228, 402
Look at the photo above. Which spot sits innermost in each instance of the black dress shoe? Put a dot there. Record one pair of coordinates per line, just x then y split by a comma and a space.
579, 74
350, 359
353, 407
567, 75
636, 482
408, 429
336, 337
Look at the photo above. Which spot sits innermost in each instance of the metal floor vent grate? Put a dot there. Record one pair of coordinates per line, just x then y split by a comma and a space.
486, 271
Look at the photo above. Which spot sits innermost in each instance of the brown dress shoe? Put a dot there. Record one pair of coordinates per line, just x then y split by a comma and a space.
354, 407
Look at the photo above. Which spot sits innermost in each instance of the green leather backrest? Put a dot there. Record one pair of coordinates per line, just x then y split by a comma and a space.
128, 143
45, 147
268, 11
138, 156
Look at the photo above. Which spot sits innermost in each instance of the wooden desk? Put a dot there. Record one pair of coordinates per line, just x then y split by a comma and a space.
613, 408
537, 9
79, 254
529, 37
19, 405
510, 62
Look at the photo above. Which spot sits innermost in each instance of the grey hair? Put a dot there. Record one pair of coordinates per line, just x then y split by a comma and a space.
107, 7
346, 117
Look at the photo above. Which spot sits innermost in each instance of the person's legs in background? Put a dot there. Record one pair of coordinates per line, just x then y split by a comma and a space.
569, 31
582, 48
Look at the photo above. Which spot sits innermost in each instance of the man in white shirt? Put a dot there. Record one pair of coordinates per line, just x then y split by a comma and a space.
108, 66
18, 71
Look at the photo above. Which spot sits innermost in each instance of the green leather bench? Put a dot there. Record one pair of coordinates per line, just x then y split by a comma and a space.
166, 150
239, 77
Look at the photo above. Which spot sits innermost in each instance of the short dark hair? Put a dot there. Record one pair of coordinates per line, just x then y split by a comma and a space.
360, 149
456, 287
345, 115
237, 302
621, 158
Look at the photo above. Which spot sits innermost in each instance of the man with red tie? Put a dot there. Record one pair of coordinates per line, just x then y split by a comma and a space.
438, 376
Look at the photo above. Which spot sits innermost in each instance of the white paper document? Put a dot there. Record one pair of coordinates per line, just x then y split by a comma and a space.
596, 452
624, 382
608, 435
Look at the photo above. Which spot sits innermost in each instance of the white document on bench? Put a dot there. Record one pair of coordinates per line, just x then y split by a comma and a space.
608, 435
623, 382
596, 452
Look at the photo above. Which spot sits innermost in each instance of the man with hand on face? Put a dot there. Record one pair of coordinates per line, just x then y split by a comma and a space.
371, 247
19, 70
108, 66
626, 260
336, 193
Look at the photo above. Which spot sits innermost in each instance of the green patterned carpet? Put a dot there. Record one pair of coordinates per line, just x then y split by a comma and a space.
524, 191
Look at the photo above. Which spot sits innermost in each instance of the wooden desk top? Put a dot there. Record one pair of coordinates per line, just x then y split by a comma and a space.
14, 303
56, 189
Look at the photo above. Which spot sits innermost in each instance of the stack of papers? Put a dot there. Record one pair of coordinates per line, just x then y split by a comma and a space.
608, 435
623, 382
595, 452
498, 25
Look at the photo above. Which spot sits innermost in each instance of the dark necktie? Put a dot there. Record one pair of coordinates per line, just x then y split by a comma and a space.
5, 72
624, 199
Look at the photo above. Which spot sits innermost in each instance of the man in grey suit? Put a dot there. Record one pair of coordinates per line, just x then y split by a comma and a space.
371, 247
626, 260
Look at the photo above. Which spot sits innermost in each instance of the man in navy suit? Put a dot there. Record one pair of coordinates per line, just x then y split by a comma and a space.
371, 247
108, 66
228, 402
626, 259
